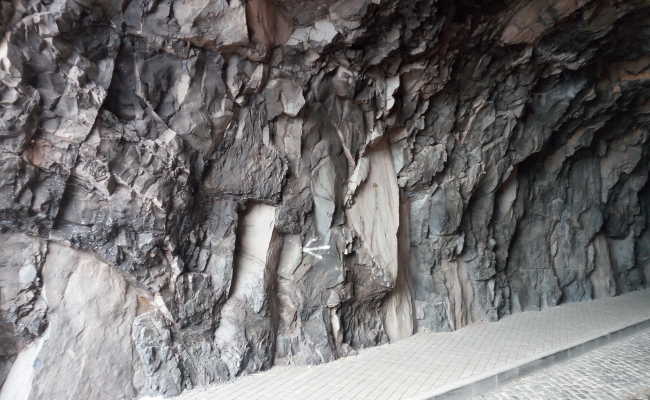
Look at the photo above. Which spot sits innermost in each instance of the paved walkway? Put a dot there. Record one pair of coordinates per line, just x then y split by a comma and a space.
427, 364
617, 371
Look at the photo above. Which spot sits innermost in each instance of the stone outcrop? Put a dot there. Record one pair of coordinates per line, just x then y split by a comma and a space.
194, 190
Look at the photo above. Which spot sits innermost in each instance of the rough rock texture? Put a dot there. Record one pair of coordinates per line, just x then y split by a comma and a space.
90, 311
192, 190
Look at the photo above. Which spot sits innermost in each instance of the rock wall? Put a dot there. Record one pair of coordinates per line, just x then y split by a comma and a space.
193, 190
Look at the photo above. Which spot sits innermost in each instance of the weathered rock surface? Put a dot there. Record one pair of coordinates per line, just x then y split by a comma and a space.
90, 311
193, 190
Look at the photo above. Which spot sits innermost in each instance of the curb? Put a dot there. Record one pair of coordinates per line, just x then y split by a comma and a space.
493, 380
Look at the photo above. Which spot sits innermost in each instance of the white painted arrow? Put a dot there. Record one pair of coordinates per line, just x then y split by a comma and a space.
312, 251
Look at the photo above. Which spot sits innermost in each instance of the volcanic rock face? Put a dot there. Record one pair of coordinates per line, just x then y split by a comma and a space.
193, 190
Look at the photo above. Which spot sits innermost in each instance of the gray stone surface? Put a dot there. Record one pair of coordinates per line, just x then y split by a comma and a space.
431, 164
613, 372
90, 311
430, 364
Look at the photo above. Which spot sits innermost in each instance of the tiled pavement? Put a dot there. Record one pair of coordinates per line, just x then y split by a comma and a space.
430, 363
617, 371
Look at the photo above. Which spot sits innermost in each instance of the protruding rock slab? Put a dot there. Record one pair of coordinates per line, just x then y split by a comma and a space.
374, 214
246, 334
399, 318
86, 351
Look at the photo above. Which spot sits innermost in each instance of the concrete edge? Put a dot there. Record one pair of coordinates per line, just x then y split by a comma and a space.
492, 380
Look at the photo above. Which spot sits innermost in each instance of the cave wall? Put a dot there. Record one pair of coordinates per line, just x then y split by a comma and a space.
194, 190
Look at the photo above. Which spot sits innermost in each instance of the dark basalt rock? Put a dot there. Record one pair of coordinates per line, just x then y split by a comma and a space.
195, 190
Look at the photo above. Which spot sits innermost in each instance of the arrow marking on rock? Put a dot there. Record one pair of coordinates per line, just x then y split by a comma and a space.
312, 251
